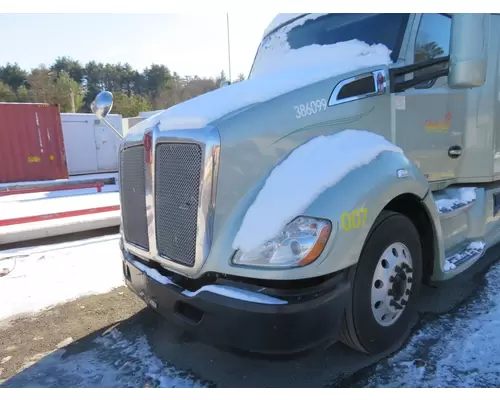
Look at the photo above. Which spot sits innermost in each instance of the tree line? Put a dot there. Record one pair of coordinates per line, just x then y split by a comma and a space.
74, 86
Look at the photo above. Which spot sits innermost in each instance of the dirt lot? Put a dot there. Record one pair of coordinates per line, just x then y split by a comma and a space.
25, 341
113, 340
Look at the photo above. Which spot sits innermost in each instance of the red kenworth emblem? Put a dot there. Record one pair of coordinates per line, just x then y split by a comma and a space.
148, 148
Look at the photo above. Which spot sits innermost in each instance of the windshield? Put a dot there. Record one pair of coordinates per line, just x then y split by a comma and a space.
327, 29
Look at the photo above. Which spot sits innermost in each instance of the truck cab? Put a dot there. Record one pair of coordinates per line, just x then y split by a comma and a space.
311, 202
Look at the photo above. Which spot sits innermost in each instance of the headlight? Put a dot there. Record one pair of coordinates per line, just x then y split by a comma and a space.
300, 243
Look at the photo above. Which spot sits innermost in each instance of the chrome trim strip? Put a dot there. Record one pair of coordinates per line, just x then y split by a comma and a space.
380, 89
209, 140
221, 290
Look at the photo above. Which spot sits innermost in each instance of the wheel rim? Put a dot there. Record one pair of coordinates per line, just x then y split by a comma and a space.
391, 284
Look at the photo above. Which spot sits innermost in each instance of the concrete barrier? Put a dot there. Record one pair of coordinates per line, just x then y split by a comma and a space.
14, 233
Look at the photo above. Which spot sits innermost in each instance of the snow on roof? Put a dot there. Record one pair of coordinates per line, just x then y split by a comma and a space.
286, 71
278, 20
276, 55
325, 161
284, 18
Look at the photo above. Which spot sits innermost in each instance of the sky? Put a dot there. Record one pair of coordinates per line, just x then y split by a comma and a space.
187, 43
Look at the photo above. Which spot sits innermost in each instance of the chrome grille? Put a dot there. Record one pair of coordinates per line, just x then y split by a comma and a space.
133, 196
177, 185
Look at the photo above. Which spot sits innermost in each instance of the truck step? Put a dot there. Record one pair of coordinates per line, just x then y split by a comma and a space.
467, 255
453, 201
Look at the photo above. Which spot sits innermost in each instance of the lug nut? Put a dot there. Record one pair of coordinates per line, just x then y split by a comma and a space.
389, 292
410, 280
391, 279
404, 302
397, 269
408, 292
409, 270
396, 305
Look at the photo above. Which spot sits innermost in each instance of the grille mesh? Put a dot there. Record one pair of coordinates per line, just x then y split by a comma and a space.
177, 173
133, 196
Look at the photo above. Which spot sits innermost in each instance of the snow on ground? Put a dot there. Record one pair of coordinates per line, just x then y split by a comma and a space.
53, 275
113, 362
459, 349
275, 74
33, 250
324, 160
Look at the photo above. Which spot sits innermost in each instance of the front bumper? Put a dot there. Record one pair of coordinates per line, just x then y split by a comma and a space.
230, 314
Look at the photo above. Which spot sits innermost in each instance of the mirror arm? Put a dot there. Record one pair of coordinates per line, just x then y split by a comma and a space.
401, 71
112, 128
406, 69
402, 86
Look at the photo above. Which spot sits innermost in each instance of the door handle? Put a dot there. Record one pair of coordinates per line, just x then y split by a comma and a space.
359, 87
455, 151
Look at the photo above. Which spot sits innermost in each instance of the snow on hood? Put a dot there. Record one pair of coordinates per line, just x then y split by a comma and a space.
289, 70
322, 162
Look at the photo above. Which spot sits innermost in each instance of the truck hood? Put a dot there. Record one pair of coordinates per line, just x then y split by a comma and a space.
299, 68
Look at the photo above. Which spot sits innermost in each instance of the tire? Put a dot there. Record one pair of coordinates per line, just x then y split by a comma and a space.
376, 329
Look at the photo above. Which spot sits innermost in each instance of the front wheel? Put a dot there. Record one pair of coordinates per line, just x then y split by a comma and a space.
385, 286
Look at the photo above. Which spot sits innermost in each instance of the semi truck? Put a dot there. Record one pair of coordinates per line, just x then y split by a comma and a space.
313, 202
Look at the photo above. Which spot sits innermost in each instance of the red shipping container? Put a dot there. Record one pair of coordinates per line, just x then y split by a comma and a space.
31, 143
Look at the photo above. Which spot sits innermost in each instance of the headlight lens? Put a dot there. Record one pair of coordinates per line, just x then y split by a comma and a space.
299, 244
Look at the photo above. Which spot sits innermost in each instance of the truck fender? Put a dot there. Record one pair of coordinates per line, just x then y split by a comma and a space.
354, 203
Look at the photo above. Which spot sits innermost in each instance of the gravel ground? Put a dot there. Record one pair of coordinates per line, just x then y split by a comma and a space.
25, 341
113, 340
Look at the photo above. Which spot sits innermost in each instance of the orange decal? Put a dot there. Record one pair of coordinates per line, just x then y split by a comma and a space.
439, 126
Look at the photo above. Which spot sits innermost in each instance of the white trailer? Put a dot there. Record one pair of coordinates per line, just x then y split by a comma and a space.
90, 146
128, 123
147, 114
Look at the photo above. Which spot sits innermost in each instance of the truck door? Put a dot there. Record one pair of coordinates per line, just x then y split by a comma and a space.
430, 117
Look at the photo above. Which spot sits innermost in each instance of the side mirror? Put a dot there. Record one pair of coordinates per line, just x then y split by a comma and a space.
468, 50
101, 107
102, 104
224, 83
